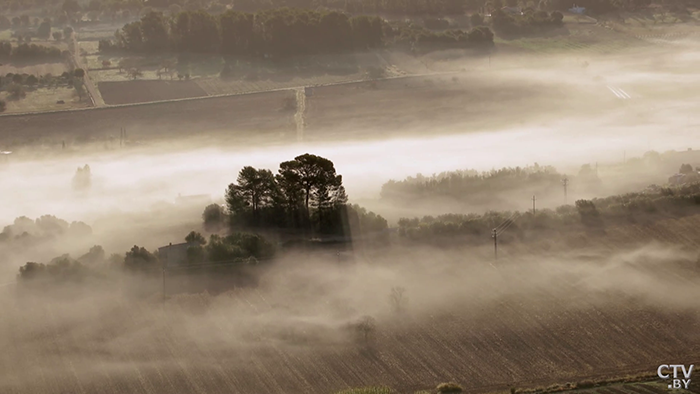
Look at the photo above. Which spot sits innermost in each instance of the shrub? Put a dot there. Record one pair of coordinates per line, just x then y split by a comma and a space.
366, 327
213, 217
585, 384
449, 387
16, 91
398, 299
3, 105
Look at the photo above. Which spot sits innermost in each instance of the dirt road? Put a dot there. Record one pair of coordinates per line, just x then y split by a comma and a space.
92, 91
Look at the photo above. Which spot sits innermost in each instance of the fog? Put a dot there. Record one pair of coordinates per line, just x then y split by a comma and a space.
294, 332
659, 116
83, 336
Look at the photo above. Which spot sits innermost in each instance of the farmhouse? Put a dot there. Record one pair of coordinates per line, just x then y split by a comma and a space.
175, 255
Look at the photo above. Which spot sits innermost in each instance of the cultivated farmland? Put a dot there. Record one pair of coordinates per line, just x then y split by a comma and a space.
228, 118
145, 91
528, 322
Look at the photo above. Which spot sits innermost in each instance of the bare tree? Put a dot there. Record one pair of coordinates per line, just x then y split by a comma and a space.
398, 299
366, 327
135, 73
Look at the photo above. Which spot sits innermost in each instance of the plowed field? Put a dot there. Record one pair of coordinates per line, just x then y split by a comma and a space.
530, 323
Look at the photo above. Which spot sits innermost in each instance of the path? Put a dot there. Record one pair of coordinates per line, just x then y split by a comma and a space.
93, 93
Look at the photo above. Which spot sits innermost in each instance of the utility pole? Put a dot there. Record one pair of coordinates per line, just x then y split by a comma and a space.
165, 265
565, 182
534, 210
494, 234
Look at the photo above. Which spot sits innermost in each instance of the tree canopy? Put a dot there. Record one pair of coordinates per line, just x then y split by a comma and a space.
306, 194
281, 32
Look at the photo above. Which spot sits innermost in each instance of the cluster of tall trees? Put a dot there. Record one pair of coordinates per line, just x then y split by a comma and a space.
271, 33
306, 194
474, 187
29, 52
278, 32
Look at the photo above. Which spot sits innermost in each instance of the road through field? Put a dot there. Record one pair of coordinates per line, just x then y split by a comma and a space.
92, 91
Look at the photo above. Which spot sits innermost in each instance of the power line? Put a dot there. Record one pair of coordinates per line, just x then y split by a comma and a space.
506, 221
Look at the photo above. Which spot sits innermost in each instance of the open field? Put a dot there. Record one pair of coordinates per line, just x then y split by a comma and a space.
216, 85
463, 101
129, 92
232, 117
46, 99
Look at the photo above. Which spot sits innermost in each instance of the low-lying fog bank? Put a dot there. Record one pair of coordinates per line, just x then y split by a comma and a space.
143, 179
539, 318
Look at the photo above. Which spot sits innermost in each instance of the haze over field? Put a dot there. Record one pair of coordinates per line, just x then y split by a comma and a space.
597, 126
292, 333
326, 296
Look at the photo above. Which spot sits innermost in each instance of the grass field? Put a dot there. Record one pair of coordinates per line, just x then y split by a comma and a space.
45, 99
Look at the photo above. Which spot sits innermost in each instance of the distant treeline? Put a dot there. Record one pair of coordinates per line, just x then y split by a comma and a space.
584, 217
241, 248
29, 52
277, 33
481, 188
27, 231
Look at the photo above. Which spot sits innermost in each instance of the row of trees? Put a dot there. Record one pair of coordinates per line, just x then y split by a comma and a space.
29, 52
278, 32
474, 187
46, 80
271, 33
306, 194
244, 247
585, 215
